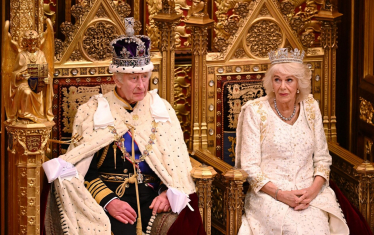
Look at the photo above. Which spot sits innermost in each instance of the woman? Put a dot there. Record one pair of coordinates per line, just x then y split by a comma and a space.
282, 146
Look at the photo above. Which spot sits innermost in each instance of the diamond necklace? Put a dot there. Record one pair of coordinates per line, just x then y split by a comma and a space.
280, 115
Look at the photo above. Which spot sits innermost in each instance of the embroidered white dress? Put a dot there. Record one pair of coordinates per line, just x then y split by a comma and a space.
289, 156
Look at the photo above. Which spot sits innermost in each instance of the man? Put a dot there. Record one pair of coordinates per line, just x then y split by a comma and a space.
132, 151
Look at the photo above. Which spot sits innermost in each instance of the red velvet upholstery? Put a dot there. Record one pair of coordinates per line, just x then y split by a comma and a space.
356, 222
188, 222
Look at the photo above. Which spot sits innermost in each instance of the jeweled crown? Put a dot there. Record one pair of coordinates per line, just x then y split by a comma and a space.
131, 53
282, 55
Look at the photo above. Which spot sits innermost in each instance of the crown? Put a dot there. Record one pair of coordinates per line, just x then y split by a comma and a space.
283, 56
131, 54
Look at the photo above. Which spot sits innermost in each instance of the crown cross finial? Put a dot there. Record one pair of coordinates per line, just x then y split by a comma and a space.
282, 55
129, 25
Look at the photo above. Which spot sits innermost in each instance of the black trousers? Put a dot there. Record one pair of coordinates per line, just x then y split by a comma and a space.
146, 196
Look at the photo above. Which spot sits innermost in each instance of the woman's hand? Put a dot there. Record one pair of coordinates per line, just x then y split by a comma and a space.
121, 211
306, 195
288, 197
160, 204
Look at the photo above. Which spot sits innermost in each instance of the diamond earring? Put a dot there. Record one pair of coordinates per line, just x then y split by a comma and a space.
298, 91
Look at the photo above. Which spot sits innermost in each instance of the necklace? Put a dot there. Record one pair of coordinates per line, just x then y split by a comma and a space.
280, 115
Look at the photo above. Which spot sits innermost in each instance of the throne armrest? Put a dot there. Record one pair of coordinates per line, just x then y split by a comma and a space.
232, 188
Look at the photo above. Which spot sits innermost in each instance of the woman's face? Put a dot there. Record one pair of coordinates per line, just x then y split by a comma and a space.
285, 87
132, 87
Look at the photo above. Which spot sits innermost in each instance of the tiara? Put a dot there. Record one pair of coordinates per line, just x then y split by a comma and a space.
283, 56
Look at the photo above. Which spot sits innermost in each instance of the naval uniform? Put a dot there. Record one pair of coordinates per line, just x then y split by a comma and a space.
105, 175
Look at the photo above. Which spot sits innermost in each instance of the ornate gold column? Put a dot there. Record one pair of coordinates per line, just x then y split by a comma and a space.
26, 15
365, 174
234, 203
204, 176
26, 148
166, 21
199, 22
329, 34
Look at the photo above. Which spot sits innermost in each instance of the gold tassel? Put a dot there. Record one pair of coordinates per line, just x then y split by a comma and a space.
115, 155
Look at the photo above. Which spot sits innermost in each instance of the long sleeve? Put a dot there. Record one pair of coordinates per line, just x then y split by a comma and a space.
99, 191
251, 147
321, 158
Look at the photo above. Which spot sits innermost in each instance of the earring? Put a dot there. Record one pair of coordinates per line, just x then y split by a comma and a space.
298, 91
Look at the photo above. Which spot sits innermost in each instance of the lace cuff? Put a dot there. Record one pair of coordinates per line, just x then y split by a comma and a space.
258, 182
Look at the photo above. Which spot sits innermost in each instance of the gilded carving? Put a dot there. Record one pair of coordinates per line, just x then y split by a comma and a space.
154, 6
230, 15
180, 32
32, 140
232, 140
27, 73
67, 29
22, 17
218, 211
48, 12
182, 95
73, 97
239, 53
302, 21
78, 11
76, 55
96, 40
197, 9
101, 13
241, 9
366, 111
264, 11
31, 201
262, 37
210, 70
123, 10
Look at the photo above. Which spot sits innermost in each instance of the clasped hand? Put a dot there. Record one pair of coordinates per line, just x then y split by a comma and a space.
298, 199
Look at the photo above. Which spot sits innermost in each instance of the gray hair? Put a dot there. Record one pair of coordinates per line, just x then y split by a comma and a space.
300, 71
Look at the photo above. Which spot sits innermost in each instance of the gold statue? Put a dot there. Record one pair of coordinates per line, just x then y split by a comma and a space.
27, 76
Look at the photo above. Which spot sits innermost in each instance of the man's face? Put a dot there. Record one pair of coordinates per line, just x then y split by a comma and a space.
132, 87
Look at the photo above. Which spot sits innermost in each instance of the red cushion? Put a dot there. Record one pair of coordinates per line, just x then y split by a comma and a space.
356, 222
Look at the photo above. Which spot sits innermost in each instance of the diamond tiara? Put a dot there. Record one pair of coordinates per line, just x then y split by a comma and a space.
283, 56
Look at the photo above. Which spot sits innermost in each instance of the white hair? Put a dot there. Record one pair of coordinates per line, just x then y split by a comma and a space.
300, 71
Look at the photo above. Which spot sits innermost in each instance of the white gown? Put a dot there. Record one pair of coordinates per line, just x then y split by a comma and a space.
290, 156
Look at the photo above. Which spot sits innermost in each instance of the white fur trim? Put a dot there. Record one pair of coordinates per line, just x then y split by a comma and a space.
122, 69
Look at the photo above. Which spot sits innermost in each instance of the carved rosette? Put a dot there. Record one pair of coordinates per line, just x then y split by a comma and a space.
96, 40
262, 37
